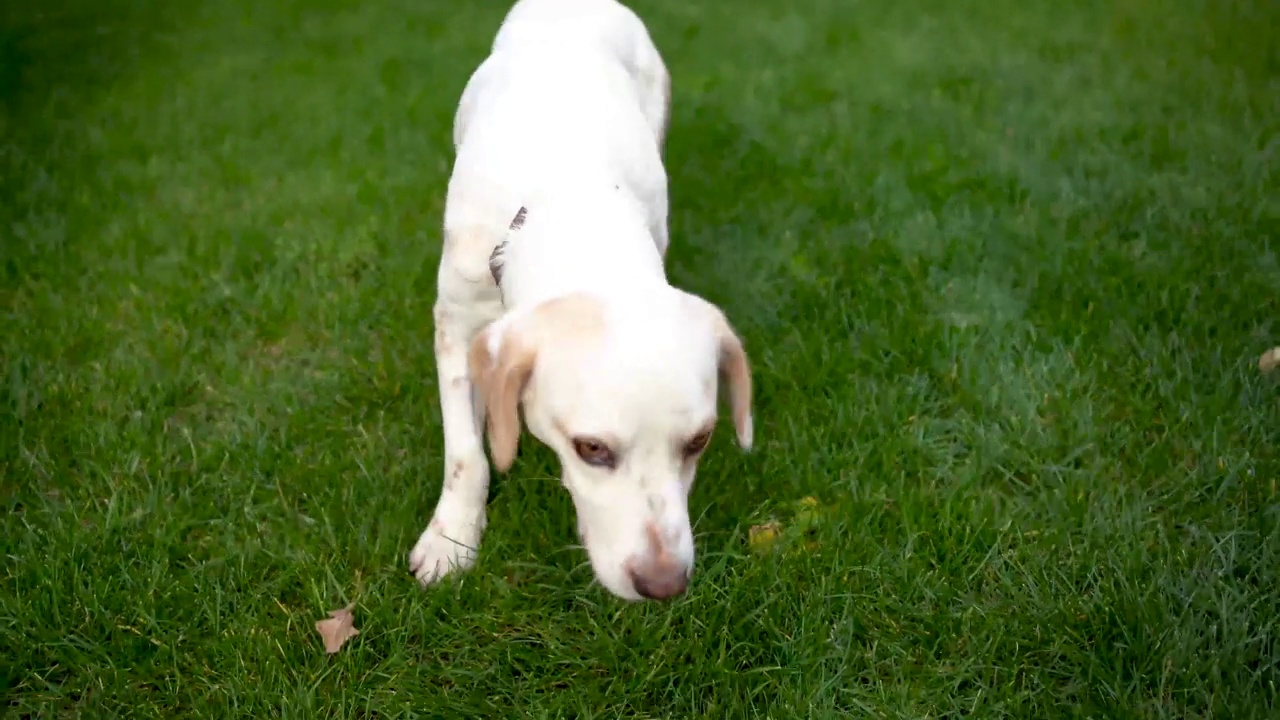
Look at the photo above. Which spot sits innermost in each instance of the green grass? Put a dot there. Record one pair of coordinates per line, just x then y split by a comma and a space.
1004, 268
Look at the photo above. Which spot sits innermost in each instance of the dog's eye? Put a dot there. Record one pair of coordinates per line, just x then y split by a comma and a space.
697, 444
594, 452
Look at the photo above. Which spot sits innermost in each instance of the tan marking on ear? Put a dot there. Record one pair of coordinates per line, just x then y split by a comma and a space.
736, 370
570, 318
501, 381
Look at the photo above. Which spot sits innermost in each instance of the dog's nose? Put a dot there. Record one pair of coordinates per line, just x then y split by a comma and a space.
659, 582
658, 575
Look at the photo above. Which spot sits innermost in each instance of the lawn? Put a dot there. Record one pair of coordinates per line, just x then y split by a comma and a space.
1004, 269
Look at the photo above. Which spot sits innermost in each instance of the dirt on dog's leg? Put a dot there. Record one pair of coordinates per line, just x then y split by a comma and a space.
451, 540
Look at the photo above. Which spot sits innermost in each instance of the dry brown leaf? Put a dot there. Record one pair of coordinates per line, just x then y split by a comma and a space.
1270, 360
338, 628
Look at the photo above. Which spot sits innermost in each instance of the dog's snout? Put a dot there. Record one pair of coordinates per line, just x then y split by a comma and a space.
659, 575
659, 583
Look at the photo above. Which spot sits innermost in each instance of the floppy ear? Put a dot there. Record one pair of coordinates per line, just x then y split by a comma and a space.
502, 357
736, 372
500, 364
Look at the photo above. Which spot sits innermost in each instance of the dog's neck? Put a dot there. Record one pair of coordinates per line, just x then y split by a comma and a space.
602, 247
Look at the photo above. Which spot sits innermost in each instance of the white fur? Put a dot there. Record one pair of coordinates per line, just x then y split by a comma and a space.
566, 118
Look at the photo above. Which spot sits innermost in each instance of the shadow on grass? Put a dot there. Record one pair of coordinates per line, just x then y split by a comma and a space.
57, 60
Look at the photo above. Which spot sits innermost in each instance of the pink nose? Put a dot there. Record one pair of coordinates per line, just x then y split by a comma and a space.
659, 576
659, 583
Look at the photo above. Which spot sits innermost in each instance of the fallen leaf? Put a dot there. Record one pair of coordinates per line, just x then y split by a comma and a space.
338, 628
762, 537
1270, 360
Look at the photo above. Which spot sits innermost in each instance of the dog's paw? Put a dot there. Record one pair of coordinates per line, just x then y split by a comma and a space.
448, 544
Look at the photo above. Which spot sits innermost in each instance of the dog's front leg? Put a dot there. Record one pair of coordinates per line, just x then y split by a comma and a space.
453, 535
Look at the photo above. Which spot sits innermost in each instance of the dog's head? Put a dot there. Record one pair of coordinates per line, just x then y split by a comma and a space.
625, 393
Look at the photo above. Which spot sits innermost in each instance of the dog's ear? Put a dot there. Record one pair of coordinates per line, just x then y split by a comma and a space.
500, 363
732, 364
502, 358
736, 371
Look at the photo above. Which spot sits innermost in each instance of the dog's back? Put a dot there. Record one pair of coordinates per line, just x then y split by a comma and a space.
597, 26
572, 100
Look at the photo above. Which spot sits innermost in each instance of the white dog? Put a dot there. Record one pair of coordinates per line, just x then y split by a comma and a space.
552, 295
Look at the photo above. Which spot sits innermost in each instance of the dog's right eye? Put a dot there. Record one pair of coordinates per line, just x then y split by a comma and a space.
594, 452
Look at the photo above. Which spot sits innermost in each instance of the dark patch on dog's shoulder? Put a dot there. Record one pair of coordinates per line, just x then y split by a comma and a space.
495, 262
495, 258
517, 222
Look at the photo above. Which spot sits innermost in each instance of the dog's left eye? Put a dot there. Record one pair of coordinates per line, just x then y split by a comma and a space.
595, 452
